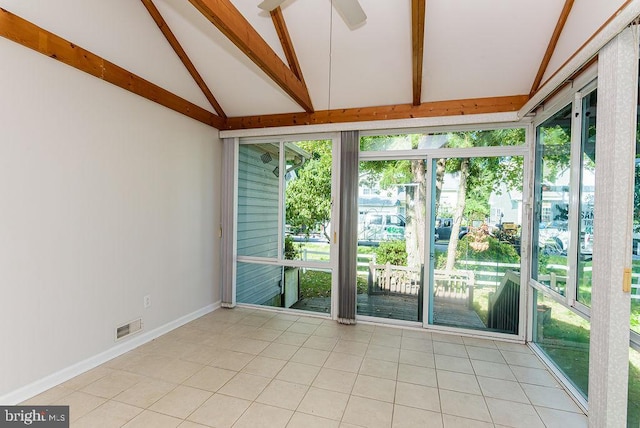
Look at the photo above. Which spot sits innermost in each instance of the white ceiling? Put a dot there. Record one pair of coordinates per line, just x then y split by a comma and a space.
472, 49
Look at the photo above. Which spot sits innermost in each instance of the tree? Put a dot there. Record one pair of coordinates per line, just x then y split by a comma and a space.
308, 192
478, 177
308, 189
410, 175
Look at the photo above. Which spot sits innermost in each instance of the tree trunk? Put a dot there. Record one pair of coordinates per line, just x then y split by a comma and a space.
324, 232
416, 214
457, 217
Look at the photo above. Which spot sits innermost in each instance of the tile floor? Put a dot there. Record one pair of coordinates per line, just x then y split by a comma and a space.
250, 368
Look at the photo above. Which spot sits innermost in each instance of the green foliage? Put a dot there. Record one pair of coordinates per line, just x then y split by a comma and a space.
308, 194
476, 209
545, 260
636, 195
315, 283
361, 285
567, 331
393, 252
390, 142
479, 246
385, 173
441, 260
291, 250
555, 148
635, 321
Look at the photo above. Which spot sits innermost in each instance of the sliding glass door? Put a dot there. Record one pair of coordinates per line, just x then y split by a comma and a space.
478, 208
391, 225
440, 227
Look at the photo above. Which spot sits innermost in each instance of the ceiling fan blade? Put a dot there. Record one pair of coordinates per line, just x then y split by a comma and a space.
269, 5
351, 12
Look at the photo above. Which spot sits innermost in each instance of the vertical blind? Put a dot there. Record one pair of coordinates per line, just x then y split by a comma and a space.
348, 241
226, 226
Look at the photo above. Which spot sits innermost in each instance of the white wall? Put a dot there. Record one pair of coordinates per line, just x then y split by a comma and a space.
105, 197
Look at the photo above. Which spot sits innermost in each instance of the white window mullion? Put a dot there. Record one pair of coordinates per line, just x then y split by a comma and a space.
574, 199
281, 199
429, 251
526, 220
335, 222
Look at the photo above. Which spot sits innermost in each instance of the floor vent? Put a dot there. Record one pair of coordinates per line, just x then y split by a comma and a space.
128, 329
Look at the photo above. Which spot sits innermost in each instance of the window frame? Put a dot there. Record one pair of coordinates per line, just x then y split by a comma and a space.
569, 300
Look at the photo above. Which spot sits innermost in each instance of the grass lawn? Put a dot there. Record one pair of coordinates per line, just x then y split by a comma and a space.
566, 341
481, 303
314, 283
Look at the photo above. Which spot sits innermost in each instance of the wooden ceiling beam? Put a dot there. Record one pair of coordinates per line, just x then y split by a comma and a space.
418, 9
401, 111
287, 45
551, 47
175, 44
232, 24
23, 32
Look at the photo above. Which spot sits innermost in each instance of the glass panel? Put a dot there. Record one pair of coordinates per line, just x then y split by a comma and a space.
587, 189
258, 201
302, 216
633, 404
550, 225
564, 337
308, 200
314, 291
391, 224
635, 287
284, 287
499, 137
478, 211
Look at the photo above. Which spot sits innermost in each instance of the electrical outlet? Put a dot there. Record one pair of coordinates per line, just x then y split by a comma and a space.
147, 301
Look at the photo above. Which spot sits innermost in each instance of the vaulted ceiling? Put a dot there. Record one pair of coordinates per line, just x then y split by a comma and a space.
234, 65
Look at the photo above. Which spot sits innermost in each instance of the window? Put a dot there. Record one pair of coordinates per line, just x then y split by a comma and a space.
442, 235
440, 140
551, 235
284, 211
587, 192
565, 168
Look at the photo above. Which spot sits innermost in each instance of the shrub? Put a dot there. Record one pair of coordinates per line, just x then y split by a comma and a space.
291, 251
441, 259
393, 252
481, 246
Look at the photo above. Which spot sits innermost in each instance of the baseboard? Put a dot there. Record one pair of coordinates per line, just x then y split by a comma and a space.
54, 379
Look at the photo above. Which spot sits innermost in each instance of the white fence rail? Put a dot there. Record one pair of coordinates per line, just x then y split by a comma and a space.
485, 273
394, 279
557, 278
363, 260
407, 280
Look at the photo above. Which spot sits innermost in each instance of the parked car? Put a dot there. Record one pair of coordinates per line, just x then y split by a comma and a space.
443, 229
636, 240
553, 241
382, 227
586, 243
